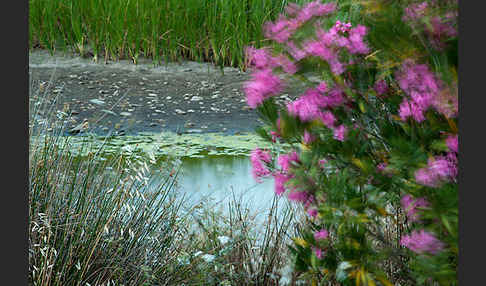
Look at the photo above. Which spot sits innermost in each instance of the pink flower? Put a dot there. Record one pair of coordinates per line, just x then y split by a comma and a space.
342, 27
258, 159
340, 132
298, 196
312, 212
381, 167
260, 58
322, 87
327, 118
442, 29
422, 242
263, 84
287, 65
356, 44
415, 11
321, 234
307, 106
411, 205
425, 177
295, 52
411, 109
380, 87
318, 49
281, 30
452, 143
308, 138
443, 167
335, 97
286, 160
438, 169
280, 180
421, 85
322, 163
318, 252
315, 8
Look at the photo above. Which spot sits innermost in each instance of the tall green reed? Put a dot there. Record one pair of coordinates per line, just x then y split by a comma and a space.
171, 30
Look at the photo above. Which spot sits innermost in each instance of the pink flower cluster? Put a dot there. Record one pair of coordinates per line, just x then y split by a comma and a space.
425, 90
284, 27
263, 85
328, 44
438, 169
283, 176
258, 159
312, 106
262, 59
439, 29
415, 11
442, 28
411, 206
422, 242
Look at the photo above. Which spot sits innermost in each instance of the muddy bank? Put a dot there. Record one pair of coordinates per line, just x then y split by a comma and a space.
123, 98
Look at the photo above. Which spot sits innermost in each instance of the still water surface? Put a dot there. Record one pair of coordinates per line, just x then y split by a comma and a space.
221, 177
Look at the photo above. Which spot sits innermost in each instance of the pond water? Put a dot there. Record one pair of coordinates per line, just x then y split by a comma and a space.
215, 168
219, 178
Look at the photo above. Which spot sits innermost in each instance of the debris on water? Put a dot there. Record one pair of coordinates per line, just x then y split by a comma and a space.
196, 98
97, 101
108, 111
125, 113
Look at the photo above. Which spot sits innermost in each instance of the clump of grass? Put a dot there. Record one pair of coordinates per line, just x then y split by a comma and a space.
202, 30
94, 221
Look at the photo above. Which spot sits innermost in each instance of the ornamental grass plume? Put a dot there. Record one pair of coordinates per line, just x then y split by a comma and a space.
422, 242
